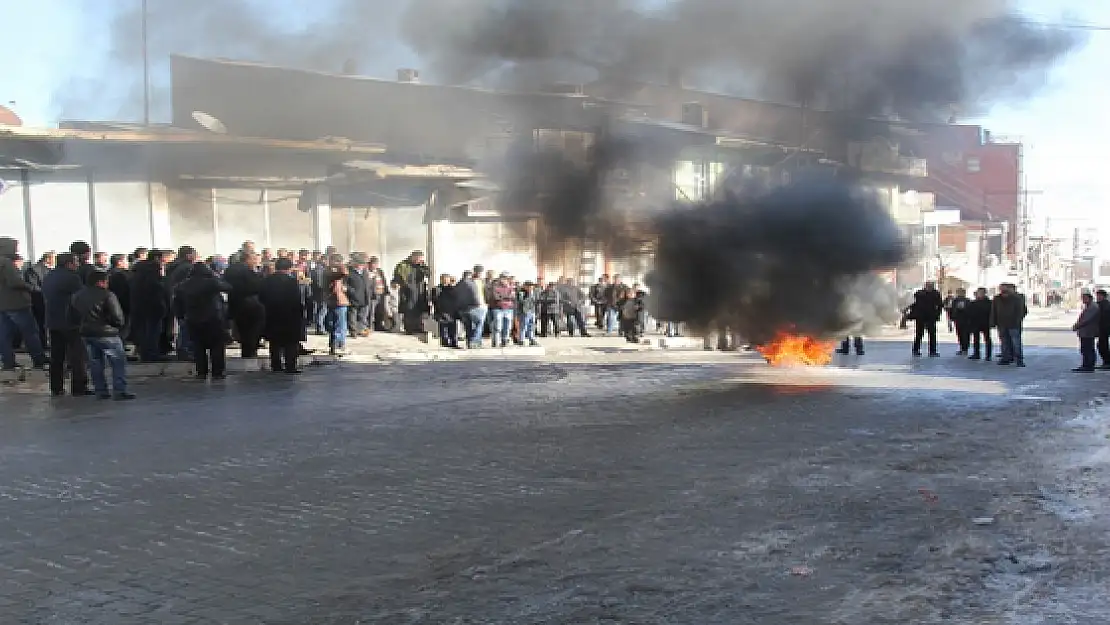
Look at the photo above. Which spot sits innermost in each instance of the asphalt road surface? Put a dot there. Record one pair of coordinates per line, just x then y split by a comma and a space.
627, 488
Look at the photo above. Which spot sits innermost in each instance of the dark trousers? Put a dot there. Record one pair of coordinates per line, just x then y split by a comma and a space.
209, 346
856, 342
987, 342
38, 308
1087, 351
284, 357
630, 329
1104, 349
449, 333
575, 319
358, 319
147, 334
249, 326
67, 347
921, 328
599, 316
551, 319
963, 335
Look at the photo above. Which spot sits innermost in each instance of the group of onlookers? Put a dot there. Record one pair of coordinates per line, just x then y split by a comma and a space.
507, 309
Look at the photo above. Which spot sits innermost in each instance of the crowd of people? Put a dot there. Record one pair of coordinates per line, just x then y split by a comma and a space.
78, 311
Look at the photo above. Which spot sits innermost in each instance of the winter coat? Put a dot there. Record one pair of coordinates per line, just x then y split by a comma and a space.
571, 298
927, 306
978, 313
958, 309
336, 287
1086, 326
358, 287
119, 283
58, 290
96, 312
1103, 317
15, 293
504, 297
198, 298
1008, 311
446, 302
549, 302
468, 294
281, 297
149, 298
527, 302
246, 284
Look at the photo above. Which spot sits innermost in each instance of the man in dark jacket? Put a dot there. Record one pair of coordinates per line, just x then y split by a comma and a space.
82, 252
176, 273
358, 289
925, 311
34, 275
198, 302
978, 317
119, 282
597, 299
1008, 311
411, 277
150, 303
379, 290
549, 305
1103, 327
571, 297
281, 298
468, 304
447, 311
957, 316
99, 318
66, 345
16, 314
243, 304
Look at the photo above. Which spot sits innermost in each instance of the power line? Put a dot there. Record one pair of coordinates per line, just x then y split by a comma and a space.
1066, 25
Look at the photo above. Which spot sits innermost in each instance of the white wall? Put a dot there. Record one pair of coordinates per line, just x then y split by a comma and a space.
12, 223
122, 216
496, 246
59, 214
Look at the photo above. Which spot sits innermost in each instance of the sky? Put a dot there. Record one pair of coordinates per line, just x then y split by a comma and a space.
1063, 127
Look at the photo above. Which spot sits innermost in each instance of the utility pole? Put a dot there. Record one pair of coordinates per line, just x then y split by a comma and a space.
146, 66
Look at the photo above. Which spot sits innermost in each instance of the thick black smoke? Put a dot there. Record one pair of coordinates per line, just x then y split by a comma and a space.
800, 258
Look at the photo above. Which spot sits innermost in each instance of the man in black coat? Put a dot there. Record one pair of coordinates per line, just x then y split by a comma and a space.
957, 316
176, 273
281, 298
1103, 327
243, 303
34, 276
979, 324
198, 302
150, 303
66, 346
925, 311
358, 291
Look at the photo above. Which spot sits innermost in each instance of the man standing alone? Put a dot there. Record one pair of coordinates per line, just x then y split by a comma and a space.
281, 297
925, 311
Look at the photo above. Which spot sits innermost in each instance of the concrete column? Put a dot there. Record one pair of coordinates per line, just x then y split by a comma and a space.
93, 230
28, 225
321, 217
266, 228
160, 217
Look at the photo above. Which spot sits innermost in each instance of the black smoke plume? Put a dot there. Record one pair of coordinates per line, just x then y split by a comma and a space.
801, 258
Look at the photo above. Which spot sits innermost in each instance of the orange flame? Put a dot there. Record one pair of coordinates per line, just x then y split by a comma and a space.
795, 349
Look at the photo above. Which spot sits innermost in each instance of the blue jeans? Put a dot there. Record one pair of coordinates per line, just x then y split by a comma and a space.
502, 324
321, 316
449, 333
474, 320
107, 350
610, 320
184, 341
1087, 350
23, 322
336, 324
528, 327
1011, 346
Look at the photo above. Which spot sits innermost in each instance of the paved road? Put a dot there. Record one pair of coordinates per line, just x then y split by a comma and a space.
643, 489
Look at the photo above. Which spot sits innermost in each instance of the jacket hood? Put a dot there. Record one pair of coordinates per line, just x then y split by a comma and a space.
8, 246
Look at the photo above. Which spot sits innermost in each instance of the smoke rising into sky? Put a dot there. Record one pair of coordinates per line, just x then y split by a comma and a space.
798, 258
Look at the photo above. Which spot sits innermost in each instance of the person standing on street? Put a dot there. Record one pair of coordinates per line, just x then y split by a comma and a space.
1103, 327
957, 316
246, 311
503, 304
35, 275
337, 302
66, 346
16, 314
925, 311
979, 324
281, 297
1008, 313
1086, 328
198, 302
97, 313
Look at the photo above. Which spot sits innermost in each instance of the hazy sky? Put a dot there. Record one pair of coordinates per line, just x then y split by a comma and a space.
50, 42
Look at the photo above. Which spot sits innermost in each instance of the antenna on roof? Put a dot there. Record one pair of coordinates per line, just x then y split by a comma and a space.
209, 122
